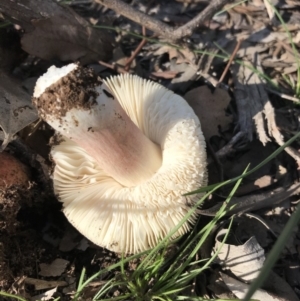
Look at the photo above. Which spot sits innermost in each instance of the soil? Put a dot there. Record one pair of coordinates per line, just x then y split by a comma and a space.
34, 231
78, 86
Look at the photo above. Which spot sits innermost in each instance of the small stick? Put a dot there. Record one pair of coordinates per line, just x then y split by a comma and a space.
237, 47
137, 50
285, 96
113, 67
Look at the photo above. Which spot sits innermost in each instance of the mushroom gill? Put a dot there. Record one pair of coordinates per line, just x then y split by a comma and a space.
131, 149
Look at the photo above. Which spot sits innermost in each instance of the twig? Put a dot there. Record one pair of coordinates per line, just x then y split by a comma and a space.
159, 27
237, 47
188, 28
113, 67
164, 74
284, 96
137, 50
129, 12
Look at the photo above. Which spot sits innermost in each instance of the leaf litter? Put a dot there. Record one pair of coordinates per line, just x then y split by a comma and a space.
16, 109
244, 118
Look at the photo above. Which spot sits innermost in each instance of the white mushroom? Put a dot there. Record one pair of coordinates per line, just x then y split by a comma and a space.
130, 150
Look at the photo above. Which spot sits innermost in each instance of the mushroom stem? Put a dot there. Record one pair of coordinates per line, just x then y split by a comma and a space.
116, 143
80, 107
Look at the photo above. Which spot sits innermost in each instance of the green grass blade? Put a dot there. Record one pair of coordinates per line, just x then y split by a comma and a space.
12, 296
173, 278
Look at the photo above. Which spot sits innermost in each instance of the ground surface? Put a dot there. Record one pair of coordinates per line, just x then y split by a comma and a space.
245, 115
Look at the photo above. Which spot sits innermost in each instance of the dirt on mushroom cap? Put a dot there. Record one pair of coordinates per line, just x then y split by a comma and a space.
77, 87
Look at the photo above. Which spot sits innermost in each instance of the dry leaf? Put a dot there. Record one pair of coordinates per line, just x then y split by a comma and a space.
264, 35
171, 51
240, 289
48, 295
281, 287
296, 38
83, 245
182, 62
67, 39
258, 3
56, 268
120, 59
186, 74
270, 10
244, 261
16, 110
210, 108
40, 284
288, 57
247, 49
70, 240
181, 56
71, 288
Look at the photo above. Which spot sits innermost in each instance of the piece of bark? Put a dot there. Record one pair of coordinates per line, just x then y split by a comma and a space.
255, 110
251, 99
53, 31
40, 284
16, 109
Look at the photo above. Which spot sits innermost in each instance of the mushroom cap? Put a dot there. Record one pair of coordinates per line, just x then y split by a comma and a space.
134, 219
